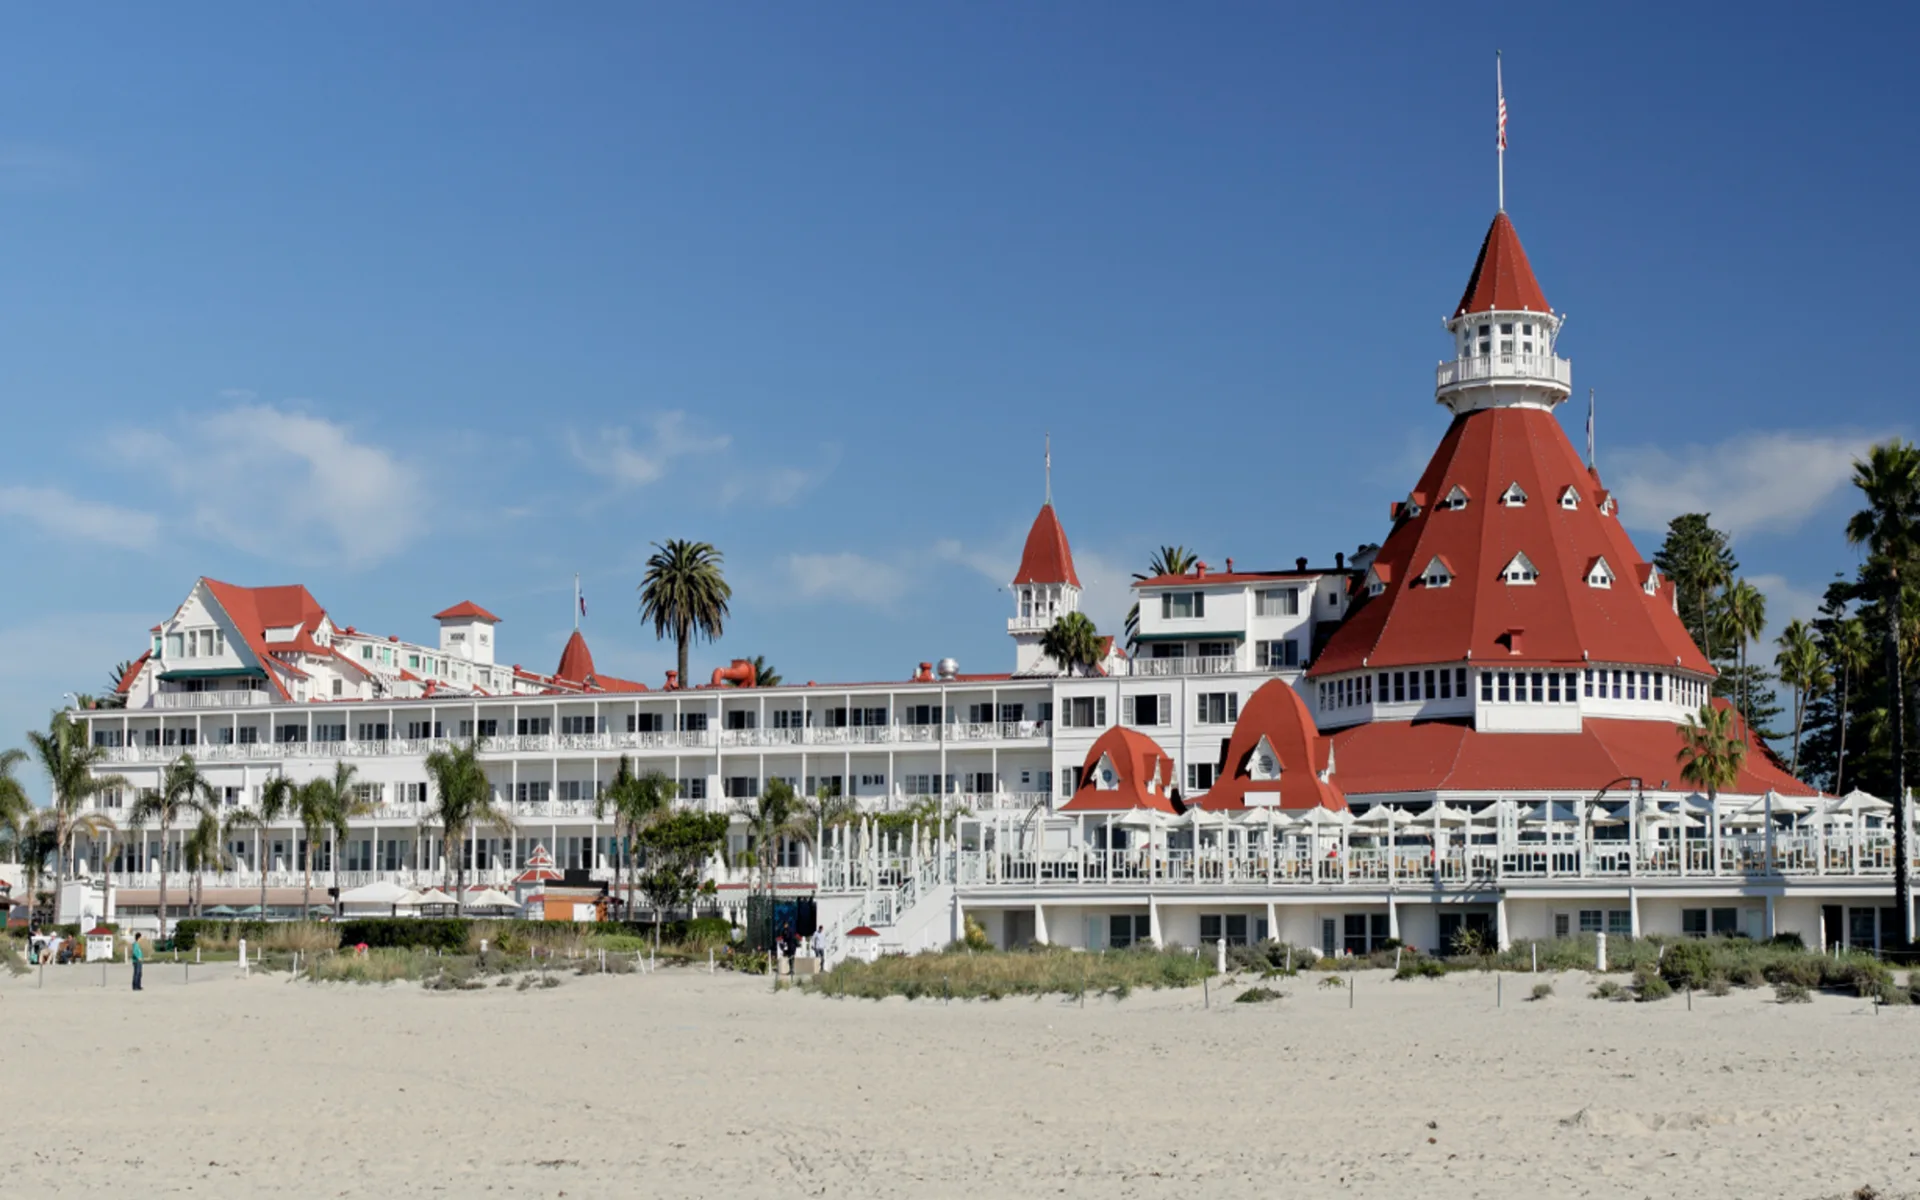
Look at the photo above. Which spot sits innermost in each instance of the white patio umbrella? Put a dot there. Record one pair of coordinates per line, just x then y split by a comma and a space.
1857, 802
491, 898
1382, 816
433, 896
1145, 818
380, 892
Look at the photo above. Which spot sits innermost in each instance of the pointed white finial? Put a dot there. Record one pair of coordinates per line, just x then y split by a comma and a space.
1500, 95
1049, 446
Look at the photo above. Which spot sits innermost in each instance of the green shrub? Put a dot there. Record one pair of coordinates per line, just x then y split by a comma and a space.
1788, 992
1541, 991
1649, 987
1719, 986
1688, 964
1259, 995
1610, 989
1420, 967
1786, 941
1041, 970
974, 936
432, 933
1332, 981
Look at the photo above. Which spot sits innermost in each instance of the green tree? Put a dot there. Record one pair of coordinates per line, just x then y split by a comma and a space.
1073, 643
1804, 669
344, 802
16, 810
1168, 560
183, 794
684, 595
677, 848
764, 674
279, 799
69, 764
1889, 527
1712, 749
311, 807
1696, 557
463, 800
1851, 654
636, 801
204, 848
1743, 618
773, 814
820, 813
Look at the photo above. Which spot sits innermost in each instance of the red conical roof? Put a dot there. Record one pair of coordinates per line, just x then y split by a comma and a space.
576, 661
1277, 715
1559, 618
1143, 775
1501, 277
1047, 558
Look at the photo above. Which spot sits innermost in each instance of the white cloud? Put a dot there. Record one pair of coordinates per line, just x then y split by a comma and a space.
43, 659
778, 486
995, 566
285, 484
613, 454
1785, 602
1765, 482
848, 577
1106, 588
68, 516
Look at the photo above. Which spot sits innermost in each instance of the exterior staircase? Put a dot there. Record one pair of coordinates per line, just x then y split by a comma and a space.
914, 915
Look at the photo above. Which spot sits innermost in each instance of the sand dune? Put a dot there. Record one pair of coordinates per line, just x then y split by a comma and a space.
681, 1084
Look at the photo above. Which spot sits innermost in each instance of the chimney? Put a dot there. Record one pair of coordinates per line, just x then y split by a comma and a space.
924, 674
1339, 560
673, 681
1300, 564
1200, 570
1229, 564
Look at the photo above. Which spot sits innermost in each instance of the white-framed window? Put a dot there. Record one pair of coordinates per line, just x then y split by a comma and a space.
1217, 708
1180, 606
1570, 497
1520, 570
1086, 712
1601, 576
1456, 499
1514, 497
1150, 709
1277, 602
1436, 574
1274, 655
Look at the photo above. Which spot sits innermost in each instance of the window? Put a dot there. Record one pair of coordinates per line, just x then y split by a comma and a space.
1456, 499
1616, 685
370, 731
1570, 498
921, 714
284, 734
1399, 686
1228, 927
1213, 649
1502, 680
1201, 776
249, 735
1127, 929
1699, 922
1553, 688
531, 726
1277, 602
1217, 708
579, 726
739, 719
1146, 710
433, 729
1431, 694
1486, 687
696, 722
1275, 655
783, 718
1182, 605
1601, 576
1619, 922
1589, 683
533, 791
1460, 682
1520, 570
740, 787
646, 722
869, 716
1660, 687
1514, 496
1437, 574
695, 788
1086, 712
176, 645
1012, 713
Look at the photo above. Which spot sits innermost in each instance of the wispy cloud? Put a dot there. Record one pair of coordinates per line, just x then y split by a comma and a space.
847, 577
1106, 587
67, 516
285, 484
1762, 482
614, 454
778, 486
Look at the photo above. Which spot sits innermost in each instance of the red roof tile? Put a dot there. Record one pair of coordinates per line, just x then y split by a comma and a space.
1502, 280
1276, 714
1213, 577
576, 661
254, 610
1047, 557
131, 673
1135, 759
1565, 619
466, 608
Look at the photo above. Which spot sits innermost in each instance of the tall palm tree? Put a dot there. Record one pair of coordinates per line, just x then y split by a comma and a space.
1707, 572
16, 810
277, 802
311, 806
685, 595
764, 674
69, 763
1168, 560
636, 801
1712, 750
1851, 653
183, 793
343, 804
1073, 642
1743, 619
771, 816
1803, 668
820, 813
204, 849
1889, 527
463, 800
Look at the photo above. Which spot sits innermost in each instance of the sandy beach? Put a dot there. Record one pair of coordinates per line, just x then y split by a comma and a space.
682, 1084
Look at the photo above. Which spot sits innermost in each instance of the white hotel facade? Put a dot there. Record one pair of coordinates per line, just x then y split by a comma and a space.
1473, 728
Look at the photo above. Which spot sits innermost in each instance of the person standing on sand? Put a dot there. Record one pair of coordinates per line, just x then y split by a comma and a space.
137, 955
819, 945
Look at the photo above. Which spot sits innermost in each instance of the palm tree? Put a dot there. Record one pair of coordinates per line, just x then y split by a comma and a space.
343, 803
1168, 560
204, 849
824, 810
1708, 573
1851, 654
1743, 620
16, 810
770, 816
685, 595
1073, 642
1803, 668
183, 792
1890, 529
636, 802
311, 806
764, 675
463, 799
1713, 749
277, 800
69, 762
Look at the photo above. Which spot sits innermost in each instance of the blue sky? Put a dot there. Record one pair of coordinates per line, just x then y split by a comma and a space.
421, 303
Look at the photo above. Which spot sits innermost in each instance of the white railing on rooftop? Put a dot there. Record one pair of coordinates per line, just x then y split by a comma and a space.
208, 699
1493, 368
1209, 665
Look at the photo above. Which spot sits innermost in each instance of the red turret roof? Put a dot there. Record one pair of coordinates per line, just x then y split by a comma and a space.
1566, 619
1275, 715
1047, 558
466, 608
1144, 774
576, 661
1501, 278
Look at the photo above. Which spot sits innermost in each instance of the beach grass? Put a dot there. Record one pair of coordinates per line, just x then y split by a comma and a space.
991, 975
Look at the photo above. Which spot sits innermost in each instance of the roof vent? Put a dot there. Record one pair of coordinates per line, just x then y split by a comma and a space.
948, 669
1200, 569
1229, 564
1339, 560
1300, 564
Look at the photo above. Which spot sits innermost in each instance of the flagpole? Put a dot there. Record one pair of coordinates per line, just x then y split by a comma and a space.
1500, 97
576, 601
1589, 429
1049, 448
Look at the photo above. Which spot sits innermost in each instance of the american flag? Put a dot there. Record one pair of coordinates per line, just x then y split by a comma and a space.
1501, 90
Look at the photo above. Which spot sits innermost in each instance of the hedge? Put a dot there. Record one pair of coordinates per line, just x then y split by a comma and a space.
431, 933
187, 933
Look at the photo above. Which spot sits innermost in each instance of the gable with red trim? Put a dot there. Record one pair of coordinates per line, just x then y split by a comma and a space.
1124, 770
1275, 757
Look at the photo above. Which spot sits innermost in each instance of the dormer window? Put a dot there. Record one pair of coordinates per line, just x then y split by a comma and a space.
1570, 498
1379, 575
1599, 574
1412, 507
1437, 574
1520, 570
1105, 777
1456, 499
1652, 587
1514, 497
1263, 764
1607, 505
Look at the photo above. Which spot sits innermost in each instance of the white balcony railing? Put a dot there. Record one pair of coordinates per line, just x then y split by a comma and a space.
208, 699
1496, 368
1209, 665
1030, 624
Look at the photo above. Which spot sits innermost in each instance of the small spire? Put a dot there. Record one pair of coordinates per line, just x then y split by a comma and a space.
1049, 467
1500, 96
576, 602
1589, 429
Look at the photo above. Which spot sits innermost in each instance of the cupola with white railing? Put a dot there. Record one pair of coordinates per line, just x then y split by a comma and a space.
1503, 335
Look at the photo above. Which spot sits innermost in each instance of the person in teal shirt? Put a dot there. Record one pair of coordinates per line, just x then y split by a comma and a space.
136, 954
